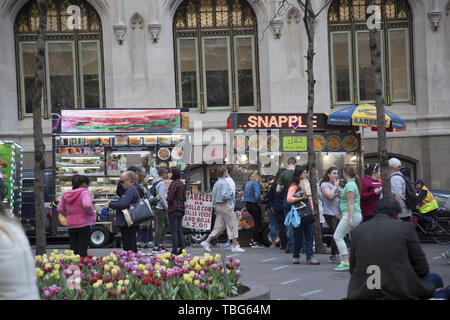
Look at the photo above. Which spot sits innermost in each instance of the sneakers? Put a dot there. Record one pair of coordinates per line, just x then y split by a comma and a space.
296, 260
273, 245
228, 246
237, 249
206, 246
334, 259
342, 266
446, 256
313, 261
258, 246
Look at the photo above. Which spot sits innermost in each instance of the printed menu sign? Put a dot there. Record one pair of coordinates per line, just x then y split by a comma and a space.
198, 210
325, 142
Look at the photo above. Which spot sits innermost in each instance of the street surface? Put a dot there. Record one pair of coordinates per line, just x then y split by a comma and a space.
286, 281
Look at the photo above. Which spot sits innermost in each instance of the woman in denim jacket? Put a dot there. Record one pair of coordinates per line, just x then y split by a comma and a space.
252, 198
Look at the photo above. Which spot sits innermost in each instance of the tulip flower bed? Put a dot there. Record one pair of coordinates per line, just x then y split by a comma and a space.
130, 276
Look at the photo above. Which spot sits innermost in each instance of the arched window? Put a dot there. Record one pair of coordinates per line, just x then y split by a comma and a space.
216, 49
351, 74
73, 56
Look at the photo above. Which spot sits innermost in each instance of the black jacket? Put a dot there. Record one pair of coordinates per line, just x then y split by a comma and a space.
129, 197
2, 188
394, 247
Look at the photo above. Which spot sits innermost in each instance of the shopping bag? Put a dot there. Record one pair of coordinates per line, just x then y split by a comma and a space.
292, 218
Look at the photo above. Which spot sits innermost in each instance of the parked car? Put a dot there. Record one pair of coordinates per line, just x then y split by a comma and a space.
443, 200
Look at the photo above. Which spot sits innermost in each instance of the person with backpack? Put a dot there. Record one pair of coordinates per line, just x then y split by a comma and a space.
157, 198
402, 190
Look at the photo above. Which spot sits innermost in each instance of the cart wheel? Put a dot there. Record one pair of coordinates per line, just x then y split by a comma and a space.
99, 237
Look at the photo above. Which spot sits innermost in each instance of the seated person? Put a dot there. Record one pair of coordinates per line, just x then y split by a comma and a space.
403, 271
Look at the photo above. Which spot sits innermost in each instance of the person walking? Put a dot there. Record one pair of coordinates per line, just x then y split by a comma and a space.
76, 205
145, 232
232, 184
331, 196
160, 207
2, 188
394, 249
273, 225
275, 203
176, 197
17, 264
223, 202
427, 204
351, 213
370, 190
283, 184
299, 195
398, 188
133, 192
253, 199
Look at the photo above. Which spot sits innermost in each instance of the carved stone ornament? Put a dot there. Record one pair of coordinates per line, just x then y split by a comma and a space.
276, 26
435, 19
137, 21
293, 15
154, 29
119, 31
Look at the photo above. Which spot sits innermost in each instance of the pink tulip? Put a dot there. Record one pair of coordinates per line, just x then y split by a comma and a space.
237, 263
230, 259
80, 292
238, 273
214, 266
202, 286
47, 294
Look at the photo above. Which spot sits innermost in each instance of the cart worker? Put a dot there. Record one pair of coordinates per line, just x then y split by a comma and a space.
223, 202
76, 205
128, 180
426, 202
144, 164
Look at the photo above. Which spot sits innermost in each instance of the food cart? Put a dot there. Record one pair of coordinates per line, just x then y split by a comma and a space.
264, 142
11, 166
102, 143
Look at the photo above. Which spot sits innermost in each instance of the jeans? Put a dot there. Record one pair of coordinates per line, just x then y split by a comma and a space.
290, 229
424, 220
176, 230
279, 217
162, 225
332, 223
129, 238
304, 232
273, 225
342, 229
255, 211
145, 234
79, 240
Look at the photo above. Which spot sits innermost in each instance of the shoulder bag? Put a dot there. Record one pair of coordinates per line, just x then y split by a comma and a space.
138, 212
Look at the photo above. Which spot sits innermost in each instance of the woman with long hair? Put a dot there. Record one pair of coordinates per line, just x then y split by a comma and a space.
370, 190
253, 200
76, 205
275, 204
299, 195
351, 213
176, 197
331, 191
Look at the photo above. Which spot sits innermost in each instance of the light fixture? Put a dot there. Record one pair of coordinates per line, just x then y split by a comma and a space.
354, 157
243, 158
298, 157
326, 157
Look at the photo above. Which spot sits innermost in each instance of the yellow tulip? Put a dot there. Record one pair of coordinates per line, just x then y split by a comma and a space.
100, 282
57, 277
157, 266
184, 252
145, 272
57, 266
111, 264
166, 255
55, 272
41, 273
196, 282
192, 274
106, 267
202, 261
120, 283
217, 258
158, 275
126, 282
109, 285
141, 267
198, 267
38, 272
186, 263
95, 285
55, 251
47, 265
114, 271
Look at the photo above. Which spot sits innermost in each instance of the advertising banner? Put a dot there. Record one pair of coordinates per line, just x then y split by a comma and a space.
198, 210
7, 169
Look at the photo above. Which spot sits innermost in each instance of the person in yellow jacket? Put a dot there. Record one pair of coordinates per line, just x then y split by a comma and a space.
426, 203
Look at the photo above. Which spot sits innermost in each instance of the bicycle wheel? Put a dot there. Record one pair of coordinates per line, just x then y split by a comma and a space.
442, 233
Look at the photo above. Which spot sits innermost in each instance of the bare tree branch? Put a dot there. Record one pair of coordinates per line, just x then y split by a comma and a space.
323, 8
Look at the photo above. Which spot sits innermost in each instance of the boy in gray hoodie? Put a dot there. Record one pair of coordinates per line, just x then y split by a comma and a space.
160, 208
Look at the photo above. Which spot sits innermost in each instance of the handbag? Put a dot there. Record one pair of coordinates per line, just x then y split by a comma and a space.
139, 212
305, 212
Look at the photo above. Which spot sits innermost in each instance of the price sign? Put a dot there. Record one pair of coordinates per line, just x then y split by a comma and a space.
295, 143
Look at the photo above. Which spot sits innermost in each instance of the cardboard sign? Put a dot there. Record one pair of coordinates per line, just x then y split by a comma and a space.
198, 211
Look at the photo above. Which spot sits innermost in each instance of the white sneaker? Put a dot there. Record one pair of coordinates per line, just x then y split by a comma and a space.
205, 246
237, 249
228, 246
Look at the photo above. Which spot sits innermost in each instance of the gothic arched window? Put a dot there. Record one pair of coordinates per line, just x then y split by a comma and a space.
216, 52
351, 74
73, 56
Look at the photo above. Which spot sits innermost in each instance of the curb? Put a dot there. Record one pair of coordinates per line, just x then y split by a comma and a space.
257, 292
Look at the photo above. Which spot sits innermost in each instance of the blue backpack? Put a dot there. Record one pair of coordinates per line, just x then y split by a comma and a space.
153, 192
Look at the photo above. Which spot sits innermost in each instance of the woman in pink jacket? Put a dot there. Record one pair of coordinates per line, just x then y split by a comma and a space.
76, 205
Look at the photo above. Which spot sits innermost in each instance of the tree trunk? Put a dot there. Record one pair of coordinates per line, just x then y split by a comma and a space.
383, 156
39, 146
309, 26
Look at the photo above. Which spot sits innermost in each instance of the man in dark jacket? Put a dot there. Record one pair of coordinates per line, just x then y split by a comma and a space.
132, 189
386, 259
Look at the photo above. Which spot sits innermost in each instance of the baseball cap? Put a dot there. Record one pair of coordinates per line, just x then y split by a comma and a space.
419, 182
395, 163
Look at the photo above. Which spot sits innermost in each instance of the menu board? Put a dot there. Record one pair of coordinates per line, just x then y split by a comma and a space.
198, 210
326, 142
